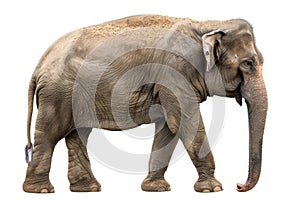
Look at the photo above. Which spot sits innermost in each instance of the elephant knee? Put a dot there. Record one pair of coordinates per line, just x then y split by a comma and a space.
173, 124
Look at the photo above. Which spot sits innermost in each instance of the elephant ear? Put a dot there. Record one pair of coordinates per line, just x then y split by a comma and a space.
211, 43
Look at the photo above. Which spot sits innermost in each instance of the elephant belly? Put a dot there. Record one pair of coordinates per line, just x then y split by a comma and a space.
122, 120
129, 109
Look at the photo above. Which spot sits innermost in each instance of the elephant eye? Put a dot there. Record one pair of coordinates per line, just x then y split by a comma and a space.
249, 63
247, 66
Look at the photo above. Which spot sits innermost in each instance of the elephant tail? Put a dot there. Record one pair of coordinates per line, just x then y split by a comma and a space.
31, 91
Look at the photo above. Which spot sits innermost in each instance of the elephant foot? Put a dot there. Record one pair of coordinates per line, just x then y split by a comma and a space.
155, 185
208, 185
86, 186
37, 186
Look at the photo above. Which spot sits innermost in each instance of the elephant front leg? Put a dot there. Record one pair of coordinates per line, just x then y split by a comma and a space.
200, 153
80, 174
163, 146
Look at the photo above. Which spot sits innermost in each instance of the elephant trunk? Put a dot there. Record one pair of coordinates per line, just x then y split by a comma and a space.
255, 94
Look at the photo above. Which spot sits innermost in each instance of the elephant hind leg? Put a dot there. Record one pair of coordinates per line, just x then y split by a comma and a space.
52, 124
37, 176
80, 173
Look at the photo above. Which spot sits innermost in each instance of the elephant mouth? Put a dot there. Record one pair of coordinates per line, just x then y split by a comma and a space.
235, 94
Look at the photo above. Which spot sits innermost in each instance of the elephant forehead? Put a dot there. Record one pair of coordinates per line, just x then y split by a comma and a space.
240, 47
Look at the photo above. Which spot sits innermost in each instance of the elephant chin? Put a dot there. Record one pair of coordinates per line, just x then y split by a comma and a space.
255, 94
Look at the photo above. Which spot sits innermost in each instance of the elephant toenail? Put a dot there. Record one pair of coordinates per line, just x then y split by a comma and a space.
44, 191
217, 189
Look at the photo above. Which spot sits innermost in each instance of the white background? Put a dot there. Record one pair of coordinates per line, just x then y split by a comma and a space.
27, 28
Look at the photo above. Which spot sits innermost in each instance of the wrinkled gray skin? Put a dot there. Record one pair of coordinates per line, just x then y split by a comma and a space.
83, 80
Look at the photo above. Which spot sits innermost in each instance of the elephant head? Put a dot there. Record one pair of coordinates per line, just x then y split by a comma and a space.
234, 69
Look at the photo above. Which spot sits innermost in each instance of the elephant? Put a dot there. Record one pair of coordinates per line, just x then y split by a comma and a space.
140, 70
